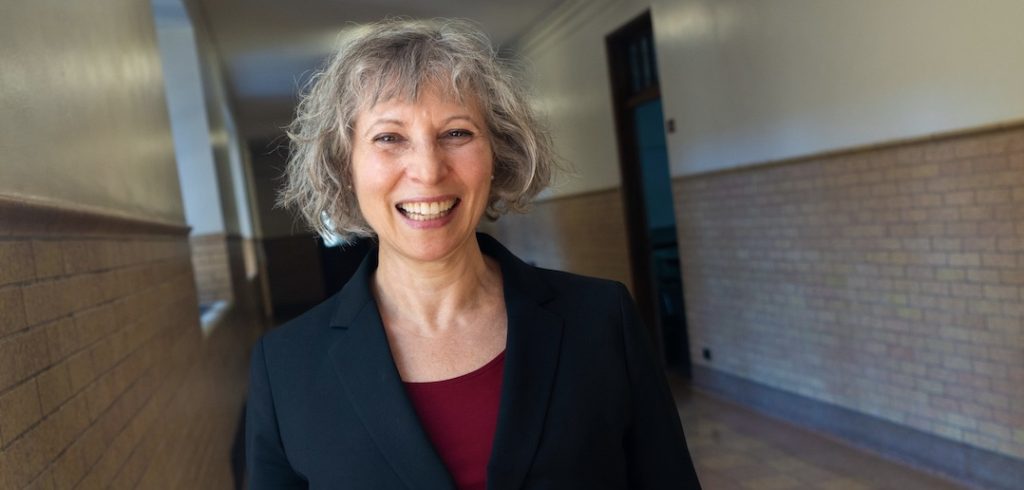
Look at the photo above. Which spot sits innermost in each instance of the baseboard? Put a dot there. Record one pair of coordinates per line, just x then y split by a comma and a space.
957, 460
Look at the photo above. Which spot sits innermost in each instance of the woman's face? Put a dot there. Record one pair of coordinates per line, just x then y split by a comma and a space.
422, 173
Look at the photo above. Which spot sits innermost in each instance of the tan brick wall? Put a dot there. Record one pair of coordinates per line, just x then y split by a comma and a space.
888, 281
212, 268
584, 234
105, 377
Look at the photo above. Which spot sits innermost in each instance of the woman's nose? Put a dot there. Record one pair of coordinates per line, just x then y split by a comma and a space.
427, 164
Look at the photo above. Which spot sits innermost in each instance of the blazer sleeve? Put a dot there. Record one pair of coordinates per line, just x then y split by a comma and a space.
656, 452
266, 461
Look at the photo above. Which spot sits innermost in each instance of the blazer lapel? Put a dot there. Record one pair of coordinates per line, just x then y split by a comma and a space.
531, 361
363, 361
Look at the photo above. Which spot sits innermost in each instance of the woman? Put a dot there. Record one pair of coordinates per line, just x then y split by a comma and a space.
446, 362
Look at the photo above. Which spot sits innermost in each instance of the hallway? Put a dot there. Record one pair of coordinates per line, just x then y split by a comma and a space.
735, 448
846, 178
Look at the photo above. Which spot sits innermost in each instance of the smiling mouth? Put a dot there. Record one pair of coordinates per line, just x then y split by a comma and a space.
426, 211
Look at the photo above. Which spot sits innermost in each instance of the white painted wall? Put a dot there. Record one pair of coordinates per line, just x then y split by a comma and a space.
83, 122
223, 135
187, 108
750, 81
228, 154
239, 177
211, 162
566, 57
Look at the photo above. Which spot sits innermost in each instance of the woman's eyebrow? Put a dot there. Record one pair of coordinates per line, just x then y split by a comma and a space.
464, 117
400, 123
383, 120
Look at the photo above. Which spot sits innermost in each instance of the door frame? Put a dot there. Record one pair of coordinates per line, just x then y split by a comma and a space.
629, 170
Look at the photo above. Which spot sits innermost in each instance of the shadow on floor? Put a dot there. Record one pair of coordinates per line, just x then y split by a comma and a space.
736, 448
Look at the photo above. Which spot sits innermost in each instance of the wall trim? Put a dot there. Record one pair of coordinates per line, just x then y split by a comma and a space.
227, 236
21, 217
841, 152
949, 458
564, 19
853, 150
580, 194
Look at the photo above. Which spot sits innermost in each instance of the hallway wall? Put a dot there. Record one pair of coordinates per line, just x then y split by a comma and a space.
84, 119
224, 258
888, 284
578, 224
887, 281
748, 81
565, 56
574, 233
186, 107
293, 262
105, 376
211, 266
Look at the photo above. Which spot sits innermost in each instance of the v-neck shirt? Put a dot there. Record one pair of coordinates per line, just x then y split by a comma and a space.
460, 416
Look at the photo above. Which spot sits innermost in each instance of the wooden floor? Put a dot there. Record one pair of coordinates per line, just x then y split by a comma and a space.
736, 448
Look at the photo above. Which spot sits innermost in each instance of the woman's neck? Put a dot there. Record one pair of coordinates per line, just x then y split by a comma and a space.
431, 298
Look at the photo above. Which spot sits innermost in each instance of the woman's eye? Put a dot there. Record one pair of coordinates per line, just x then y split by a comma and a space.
385, 138
459, 133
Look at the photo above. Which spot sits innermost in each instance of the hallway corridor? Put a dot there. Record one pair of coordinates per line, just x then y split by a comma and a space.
846, 181
735, 448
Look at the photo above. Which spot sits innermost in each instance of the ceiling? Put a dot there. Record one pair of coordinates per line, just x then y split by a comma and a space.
269, 47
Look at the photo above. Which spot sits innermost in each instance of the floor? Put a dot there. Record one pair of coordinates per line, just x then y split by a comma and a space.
736, 448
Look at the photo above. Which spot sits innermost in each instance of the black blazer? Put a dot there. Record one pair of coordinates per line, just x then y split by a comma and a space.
584, 404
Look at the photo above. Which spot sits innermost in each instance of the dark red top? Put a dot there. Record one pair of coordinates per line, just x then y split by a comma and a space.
460, 416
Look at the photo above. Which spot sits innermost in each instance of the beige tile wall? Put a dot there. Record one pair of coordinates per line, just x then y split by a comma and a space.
887, 281
584, 234
105, 377
211, 266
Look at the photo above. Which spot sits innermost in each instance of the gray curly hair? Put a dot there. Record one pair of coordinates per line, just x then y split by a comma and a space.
398, 58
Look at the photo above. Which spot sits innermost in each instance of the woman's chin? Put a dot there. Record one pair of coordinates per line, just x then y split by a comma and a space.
430, 244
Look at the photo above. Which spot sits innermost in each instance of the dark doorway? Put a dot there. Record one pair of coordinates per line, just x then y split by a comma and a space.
647, 188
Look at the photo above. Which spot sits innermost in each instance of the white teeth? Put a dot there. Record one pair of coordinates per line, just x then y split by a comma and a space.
423, 211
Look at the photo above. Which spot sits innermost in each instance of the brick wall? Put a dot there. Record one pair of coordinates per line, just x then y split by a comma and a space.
105, 378
585, 234
211, 266
888, 281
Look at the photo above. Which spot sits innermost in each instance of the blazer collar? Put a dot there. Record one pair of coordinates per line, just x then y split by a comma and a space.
363, 361
531, 360
520, 280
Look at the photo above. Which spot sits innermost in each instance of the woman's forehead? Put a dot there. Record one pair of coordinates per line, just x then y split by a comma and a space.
431, 100
387, 86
